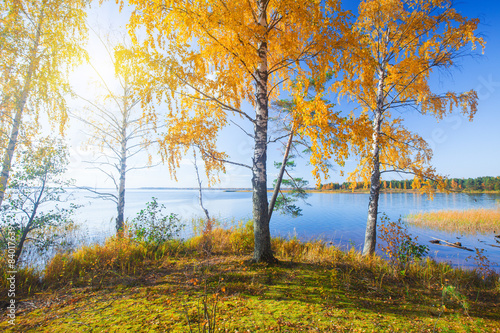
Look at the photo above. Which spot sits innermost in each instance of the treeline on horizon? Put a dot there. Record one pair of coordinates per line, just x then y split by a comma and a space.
452, 184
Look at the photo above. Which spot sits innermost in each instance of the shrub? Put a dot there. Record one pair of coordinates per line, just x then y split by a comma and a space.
152, 226
31, 217
203, 230
451, 293
401, 247
483, 264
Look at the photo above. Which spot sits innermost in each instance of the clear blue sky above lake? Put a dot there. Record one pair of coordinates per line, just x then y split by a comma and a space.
461, 148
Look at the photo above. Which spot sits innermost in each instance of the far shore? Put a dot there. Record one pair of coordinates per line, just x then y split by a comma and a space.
309, 190
398, 191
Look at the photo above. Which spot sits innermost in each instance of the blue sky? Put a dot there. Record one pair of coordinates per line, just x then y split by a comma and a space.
461, 148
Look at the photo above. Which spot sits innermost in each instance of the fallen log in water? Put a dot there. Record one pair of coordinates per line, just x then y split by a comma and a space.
458, 245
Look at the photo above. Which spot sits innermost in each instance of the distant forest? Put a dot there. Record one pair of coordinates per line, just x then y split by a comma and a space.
454, 184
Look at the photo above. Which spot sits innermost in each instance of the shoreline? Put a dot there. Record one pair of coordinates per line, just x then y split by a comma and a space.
229, 189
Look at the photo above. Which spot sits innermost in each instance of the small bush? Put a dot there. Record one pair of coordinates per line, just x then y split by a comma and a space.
203, 231
401, 247
483, 264
452, 294
152, 226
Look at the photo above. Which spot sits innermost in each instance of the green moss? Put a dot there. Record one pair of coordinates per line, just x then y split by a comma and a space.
289, 297
122, 286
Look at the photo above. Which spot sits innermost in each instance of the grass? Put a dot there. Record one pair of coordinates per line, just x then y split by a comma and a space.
470, 221
125, 286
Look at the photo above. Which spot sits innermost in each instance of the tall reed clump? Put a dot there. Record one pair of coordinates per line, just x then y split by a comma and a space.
24, 281
118, 257
89, 265
314, 251
470, 221
238, 239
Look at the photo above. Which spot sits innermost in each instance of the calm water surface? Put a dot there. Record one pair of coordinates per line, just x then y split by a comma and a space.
336, 217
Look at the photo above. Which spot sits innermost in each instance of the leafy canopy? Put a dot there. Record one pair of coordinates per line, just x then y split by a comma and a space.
396, 46
37, 188
201, 58
61, 31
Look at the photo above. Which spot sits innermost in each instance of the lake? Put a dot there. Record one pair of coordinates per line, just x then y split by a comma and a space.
336, 217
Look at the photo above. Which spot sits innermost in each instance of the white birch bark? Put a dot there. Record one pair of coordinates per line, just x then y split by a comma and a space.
262, 235
371, 223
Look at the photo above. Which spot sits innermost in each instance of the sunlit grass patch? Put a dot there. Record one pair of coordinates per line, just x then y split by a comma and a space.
124, 285
347, 294
470, 221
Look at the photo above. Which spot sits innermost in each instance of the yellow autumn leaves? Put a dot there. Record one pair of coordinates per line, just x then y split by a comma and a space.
41, 41
399, 44
201, 58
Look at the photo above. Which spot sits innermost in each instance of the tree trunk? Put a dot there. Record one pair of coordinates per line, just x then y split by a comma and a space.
280, 175
20, 104
262, 235
19, 247
29, 226
9, 153
120, 206
371, 223
121, 190
200, 194
206, 232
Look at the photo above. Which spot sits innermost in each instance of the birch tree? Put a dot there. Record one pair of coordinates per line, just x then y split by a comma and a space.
396, 45
119, 130
207, 59
41, 41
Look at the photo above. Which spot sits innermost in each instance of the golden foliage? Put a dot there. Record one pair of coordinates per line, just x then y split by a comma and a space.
204, 61
407, 40
396, 45
40, 42
61, 28
326, 129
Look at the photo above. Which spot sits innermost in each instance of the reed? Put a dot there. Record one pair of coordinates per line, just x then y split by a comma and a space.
116, 259
470, 221
27, 280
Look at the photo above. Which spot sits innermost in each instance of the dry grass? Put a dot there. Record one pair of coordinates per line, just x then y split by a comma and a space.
470, 221
124, 285
343, 292
121, 260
